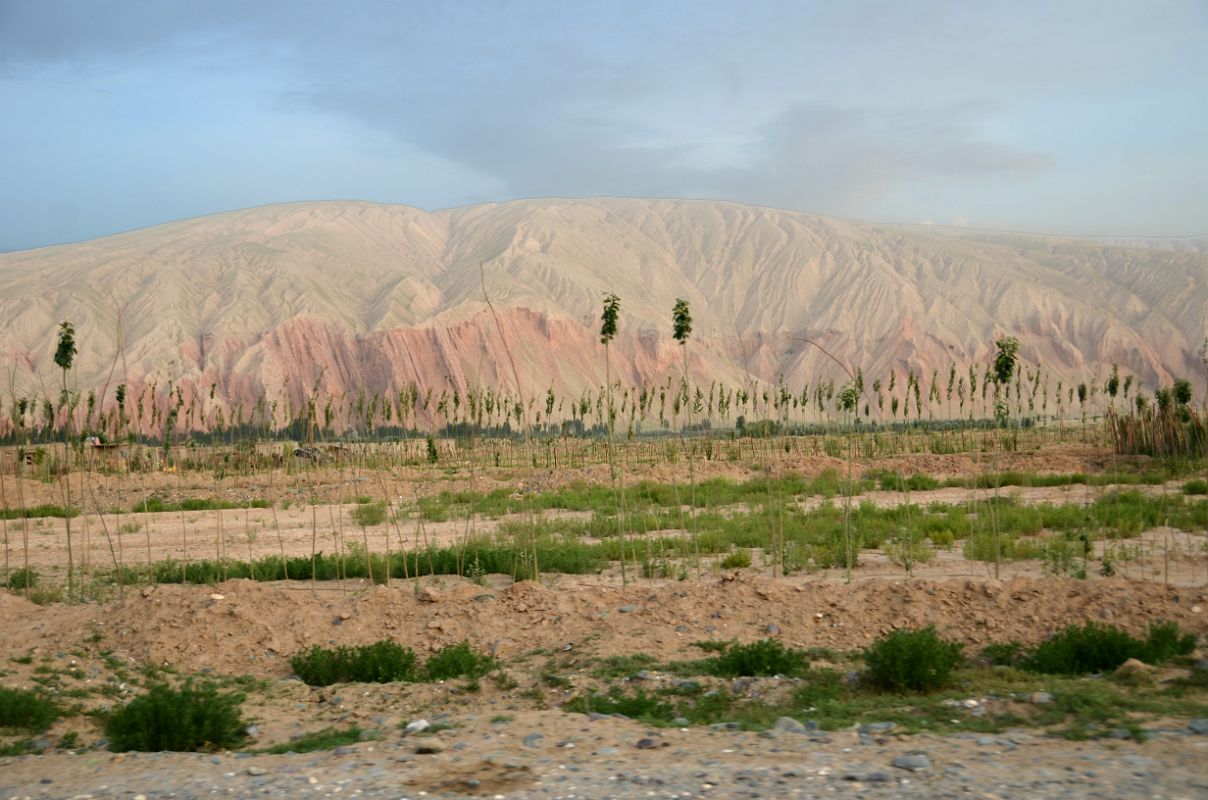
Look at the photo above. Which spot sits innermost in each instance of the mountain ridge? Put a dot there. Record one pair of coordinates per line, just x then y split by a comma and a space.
352, 295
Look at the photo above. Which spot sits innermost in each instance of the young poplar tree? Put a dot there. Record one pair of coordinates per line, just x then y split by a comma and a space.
1004, 368
65, 355
608, 331
681, 329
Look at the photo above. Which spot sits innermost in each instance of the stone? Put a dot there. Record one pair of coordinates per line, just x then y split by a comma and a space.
647, 743
788, 725
914, 762
627, 609
1198, 725
1040, 698
417, 726
533, 740
257, 771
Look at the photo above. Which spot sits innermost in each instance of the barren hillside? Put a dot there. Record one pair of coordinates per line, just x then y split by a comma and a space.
349, 296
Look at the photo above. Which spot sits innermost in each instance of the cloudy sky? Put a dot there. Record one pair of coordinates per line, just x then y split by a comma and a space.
1074, 116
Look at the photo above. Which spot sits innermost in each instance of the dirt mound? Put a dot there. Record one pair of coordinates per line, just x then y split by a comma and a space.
13, 607
244, 627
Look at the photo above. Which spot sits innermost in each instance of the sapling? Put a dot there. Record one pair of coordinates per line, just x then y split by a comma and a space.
1004, 367
608, 331
681, 329
65, 354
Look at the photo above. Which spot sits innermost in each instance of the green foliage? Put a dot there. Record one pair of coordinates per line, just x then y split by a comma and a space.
1094, 647
381, 662
66, 351
1005, 358
44, 510
912, 660
194, 717
155, 504
608, 320
764, 657
681, 320
369, 514
326, 739
1197, 486
18, 579
739, 559
21, 709
457, 661
1003, 654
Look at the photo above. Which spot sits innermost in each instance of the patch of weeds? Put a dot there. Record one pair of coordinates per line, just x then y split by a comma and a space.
1003, 654
504, 681
369, 514
612, 667
21, 709
69, 740
194, 717
381, 662
912, 660
712, 645
764, 657
458, 661
1094, 647
502, 719
248, 684
21, 747
1197, 486
25, 659
551, 678
739, 559
18, 579
326, 739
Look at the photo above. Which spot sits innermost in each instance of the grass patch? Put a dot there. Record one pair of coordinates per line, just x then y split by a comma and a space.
1092, 647
155, 504
24, 710
326, 739
381, 662
45, 510
457, 661
195, 716
764, 657
387, 662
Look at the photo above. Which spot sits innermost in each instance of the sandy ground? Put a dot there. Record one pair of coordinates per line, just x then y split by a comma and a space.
508, 742
512, 742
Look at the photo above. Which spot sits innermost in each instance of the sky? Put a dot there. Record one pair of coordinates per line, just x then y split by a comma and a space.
1084, 117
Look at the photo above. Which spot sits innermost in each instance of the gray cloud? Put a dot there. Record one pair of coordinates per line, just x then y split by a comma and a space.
814, 106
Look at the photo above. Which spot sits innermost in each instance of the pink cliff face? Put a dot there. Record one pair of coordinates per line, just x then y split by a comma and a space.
336, 301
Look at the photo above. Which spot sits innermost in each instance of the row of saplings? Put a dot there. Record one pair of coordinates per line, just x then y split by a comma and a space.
197, 715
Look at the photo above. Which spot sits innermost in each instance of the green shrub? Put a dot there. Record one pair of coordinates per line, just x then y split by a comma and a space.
367, 515
765, 657
912, 660
457, 661
739, 559
381, 662
1198, 486
1003, 654
1166, 641
193, 717
1094, 647
25, 710
1082, 649
17, 578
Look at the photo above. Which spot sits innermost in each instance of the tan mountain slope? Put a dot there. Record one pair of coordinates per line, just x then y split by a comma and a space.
350, 296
